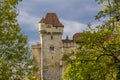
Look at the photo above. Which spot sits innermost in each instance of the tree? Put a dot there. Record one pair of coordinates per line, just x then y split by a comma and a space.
98, 55
15, 56
110, 8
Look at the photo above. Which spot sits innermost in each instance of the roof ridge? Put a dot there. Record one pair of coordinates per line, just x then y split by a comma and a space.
51, 18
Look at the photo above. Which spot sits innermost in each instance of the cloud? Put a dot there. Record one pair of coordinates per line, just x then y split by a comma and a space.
72, 27
31, 28
74, 14
76, 10
32, 42
29, 25
29, 20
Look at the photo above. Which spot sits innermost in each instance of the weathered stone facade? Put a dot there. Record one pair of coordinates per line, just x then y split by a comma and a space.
49, 52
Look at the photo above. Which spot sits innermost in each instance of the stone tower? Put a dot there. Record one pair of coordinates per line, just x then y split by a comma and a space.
50, 30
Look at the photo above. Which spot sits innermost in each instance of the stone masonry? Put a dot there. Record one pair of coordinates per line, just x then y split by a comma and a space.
49, 52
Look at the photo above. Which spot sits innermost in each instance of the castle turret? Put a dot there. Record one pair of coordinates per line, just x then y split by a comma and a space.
50, 24
50, 29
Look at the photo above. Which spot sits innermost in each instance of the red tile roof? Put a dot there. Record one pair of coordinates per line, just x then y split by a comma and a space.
42, 20
51, 18
77, 35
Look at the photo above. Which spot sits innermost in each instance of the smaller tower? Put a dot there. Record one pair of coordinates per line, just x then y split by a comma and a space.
36, 49
51, 30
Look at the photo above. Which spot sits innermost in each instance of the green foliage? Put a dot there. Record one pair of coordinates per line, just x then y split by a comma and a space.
110, 8
96, 58
98, 54
15, 56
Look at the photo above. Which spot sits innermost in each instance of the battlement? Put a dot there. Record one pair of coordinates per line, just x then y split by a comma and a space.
48, 28
37, 46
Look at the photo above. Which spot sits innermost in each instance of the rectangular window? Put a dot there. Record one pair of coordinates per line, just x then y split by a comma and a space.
51, 48
49, 26
51, 37
56, 27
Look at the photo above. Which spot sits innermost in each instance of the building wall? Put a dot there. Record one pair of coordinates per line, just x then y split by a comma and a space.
48, 28
36, 50
53, 66
50, 51
48, 55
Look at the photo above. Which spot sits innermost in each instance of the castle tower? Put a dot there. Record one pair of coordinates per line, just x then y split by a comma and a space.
50, 29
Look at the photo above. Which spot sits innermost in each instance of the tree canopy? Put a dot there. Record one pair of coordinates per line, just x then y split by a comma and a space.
98, 54
97, 57
15, 55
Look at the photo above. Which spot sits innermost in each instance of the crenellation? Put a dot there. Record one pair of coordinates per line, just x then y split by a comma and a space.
50, 28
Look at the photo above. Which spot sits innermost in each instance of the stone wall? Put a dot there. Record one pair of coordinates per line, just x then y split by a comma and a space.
48, 55
51, 56
36, 50
49, 28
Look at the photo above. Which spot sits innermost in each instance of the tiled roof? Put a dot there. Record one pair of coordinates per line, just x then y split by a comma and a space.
77, 35
42, 20
51, 18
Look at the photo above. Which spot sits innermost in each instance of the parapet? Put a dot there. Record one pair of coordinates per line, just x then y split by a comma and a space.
36, 46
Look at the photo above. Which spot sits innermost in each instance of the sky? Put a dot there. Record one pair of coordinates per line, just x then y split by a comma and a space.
73, 14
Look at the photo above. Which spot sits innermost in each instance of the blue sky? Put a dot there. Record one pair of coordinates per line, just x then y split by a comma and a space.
74, 15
